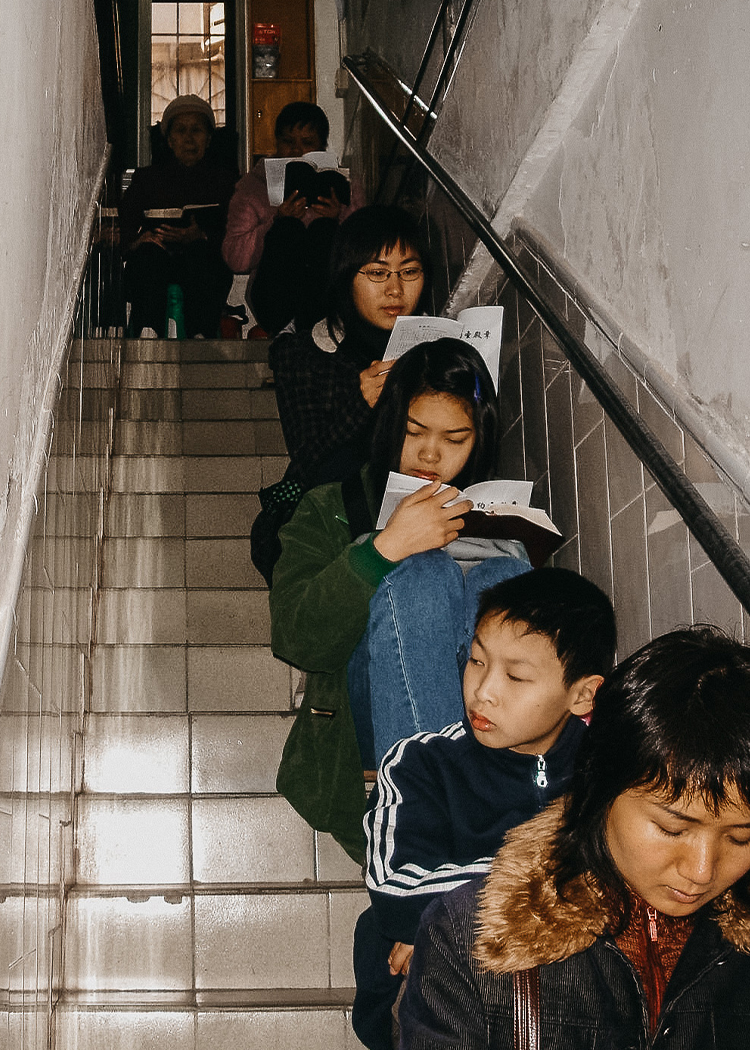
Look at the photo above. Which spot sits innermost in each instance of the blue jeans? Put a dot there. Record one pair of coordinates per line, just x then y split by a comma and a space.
404, 677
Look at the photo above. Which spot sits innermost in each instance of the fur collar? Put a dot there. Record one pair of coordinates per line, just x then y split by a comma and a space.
522, 922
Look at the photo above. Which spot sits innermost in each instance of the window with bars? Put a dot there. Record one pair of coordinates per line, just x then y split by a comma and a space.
188, 55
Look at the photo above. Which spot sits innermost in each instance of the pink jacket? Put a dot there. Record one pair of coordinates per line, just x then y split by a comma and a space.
250, 217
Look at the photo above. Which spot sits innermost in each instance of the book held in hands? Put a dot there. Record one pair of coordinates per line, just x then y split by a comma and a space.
500, 511
482, 326
206, 215
313, 175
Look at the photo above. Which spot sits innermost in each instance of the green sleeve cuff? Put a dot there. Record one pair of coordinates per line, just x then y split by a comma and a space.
368, 563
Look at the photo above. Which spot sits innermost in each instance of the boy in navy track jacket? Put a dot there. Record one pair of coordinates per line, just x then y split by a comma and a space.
444, 801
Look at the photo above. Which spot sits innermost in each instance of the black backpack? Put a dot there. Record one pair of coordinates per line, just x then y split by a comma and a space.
278, 503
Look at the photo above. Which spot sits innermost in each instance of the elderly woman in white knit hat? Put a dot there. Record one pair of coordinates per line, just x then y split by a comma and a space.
172, 219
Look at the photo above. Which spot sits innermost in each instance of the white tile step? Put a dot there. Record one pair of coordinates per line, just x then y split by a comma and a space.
142, 846
295, 937
296, 1026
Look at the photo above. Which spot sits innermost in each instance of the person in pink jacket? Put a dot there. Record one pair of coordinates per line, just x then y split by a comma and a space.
285, 249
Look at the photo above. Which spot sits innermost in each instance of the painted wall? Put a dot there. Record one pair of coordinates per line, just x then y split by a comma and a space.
647, 197
327, 61
397, 30
617, 131
635, 176
54, 143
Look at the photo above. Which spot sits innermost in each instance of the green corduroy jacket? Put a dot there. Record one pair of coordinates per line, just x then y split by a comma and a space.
320, 598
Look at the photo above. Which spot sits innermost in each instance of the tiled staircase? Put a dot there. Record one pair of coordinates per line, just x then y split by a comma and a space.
205, 915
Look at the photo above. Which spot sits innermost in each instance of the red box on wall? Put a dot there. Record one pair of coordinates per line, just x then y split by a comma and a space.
266, 49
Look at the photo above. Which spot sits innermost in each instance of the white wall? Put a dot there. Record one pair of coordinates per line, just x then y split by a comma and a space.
649, 197
635, 174
54, 142
618, 131
327, 61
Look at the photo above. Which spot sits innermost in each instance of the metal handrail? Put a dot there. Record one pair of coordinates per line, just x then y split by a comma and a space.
432, 40
429, 113
726, 554
454, 45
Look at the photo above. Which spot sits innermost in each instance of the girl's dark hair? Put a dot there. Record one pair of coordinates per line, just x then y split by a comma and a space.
673, 718
303, 114
366, 234
445, 366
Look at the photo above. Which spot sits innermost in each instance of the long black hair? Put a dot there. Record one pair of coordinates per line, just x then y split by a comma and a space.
673, 718
363, 236
445, 366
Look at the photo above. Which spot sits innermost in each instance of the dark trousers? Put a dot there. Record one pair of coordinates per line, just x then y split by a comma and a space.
377, 988
200, 272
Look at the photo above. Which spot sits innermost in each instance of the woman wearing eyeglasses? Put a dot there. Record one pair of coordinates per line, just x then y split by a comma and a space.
328, 380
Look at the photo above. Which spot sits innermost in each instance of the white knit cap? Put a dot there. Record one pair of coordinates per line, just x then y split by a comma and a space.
186, 104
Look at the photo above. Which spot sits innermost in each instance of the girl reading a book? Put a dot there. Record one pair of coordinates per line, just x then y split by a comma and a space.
328, 380
381, 621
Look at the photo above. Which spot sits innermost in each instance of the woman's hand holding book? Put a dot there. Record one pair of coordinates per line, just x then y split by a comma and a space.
422, 522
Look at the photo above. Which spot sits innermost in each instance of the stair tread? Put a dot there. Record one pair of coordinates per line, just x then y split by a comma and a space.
220, 998
142, 892
172, 477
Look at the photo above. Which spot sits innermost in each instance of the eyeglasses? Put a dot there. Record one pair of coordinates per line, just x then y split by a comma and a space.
379, 274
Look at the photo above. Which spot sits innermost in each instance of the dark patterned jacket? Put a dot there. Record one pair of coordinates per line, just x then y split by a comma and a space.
325, 420
172, 185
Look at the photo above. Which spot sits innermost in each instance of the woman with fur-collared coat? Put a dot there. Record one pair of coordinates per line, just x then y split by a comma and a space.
631, 900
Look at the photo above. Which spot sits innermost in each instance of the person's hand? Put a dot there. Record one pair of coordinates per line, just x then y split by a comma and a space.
400, 958
422, 522
371, 381
147, 237
328, 207
179, 236
294, 207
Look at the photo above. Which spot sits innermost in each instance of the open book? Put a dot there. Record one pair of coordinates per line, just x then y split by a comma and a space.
500, 511
206, 215
314, 175
482, 326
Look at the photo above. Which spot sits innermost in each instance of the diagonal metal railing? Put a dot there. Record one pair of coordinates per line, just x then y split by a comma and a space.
726, 554
428, 110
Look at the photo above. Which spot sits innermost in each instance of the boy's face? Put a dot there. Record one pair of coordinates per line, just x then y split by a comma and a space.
514, 692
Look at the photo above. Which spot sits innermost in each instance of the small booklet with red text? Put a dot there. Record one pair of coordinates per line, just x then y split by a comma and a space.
500, 511
482, 326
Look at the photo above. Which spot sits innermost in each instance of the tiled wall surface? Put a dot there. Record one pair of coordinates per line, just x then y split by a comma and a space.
44, 693
620, 529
